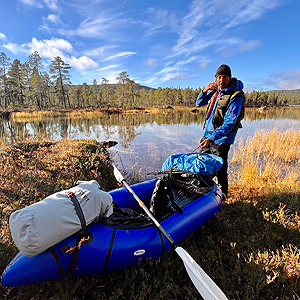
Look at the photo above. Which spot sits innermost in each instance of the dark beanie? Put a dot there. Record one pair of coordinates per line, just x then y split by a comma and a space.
223, 70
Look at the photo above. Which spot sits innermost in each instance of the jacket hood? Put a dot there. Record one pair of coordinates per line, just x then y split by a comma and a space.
234, 84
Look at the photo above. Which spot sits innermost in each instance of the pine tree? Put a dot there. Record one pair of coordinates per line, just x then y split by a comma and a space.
15, 80
46, 92
85, 95
60, 71
4, 64
132, 86
36, 65
121, 85
105, 93
95, 93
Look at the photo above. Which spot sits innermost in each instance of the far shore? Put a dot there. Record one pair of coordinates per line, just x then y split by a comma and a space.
82, 111
30, 112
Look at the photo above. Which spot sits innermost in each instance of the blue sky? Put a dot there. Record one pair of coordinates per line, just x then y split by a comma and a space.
171, 43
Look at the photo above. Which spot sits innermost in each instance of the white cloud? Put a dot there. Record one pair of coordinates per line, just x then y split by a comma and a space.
285, 80
176, 76
101, 26
2, 36
98, 74
249, 46
188, 60
168, 76
237, 46
180, 77
110, 67
45, 27
150, 81
121, 54
48, 49
112, 75
51, 19
151, 62
82, 63
100, 51
51, 4
202, 66
167, 70
54, 18
249, 10
33, 3
160, 20
15, 48
177, 71
209, 21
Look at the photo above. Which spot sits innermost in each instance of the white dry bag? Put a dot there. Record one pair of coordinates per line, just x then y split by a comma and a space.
39, 226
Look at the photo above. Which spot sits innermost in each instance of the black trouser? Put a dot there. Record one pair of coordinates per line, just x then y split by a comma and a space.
222, 151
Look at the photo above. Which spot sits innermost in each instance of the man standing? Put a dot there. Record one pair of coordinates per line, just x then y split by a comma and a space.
225, 110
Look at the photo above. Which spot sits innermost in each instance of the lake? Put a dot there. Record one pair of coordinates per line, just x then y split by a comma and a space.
145, 140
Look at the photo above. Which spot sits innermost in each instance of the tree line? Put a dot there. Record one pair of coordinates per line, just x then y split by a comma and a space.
28, 85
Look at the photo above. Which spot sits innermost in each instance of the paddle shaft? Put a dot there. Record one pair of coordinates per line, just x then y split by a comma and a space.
149, 214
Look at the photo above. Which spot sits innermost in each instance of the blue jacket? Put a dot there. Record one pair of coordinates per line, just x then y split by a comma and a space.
224, 133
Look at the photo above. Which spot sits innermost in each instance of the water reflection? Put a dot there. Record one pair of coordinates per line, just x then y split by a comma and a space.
145, 140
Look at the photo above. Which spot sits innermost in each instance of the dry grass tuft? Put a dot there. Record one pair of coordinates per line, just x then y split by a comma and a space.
285, 261
266, 176
270, 162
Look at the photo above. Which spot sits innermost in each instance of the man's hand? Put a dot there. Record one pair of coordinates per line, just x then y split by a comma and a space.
210, 86
205, 143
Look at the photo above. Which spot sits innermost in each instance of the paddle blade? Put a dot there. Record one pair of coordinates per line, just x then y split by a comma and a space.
204, 284
117, 174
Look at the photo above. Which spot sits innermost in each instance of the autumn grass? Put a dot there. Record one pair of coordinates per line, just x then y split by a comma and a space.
32, 170
270, 163
250, 249
42, 115
24, 115
267, 178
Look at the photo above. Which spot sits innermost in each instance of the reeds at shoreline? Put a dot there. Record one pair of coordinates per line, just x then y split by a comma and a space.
42, 115
269, 162
267, 175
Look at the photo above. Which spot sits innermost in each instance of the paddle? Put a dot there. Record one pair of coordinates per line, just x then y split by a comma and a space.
204, 284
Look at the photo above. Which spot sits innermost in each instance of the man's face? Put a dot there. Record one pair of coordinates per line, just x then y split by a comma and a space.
223, 81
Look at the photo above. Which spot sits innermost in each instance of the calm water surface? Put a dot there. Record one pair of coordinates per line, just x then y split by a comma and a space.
146, 140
